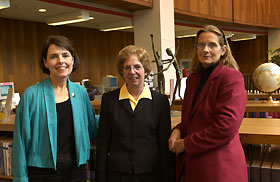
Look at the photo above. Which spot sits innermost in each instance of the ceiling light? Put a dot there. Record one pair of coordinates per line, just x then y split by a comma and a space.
117, 25
243, 37
4, 4
68, 18
186, 33
42, 10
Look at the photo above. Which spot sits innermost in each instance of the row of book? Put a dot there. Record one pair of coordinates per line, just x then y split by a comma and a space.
263, 115
248, 80
263, 162
6, 144
250, 86
6, 159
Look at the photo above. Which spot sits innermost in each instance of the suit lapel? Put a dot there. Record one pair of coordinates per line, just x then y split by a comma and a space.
206, 88
192, 86
126, 105
141, 104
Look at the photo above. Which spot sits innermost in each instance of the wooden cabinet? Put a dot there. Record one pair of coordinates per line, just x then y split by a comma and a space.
221, 9
214, 9
264, 13
257, 12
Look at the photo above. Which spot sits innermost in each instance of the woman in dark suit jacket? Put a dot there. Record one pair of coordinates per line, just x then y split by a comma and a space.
132, 141
214, 104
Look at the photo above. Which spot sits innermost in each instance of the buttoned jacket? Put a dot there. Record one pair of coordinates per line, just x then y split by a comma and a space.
134, 142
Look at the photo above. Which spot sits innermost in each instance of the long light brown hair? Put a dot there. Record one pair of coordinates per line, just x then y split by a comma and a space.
227, 59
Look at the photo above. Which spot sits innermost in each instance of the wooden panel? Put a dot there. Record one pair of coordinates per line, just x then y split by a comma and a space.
132, 5
201, 7
248, 54
221, 9
257, 12
186, 48
21, 43
215, 9
192, 6
274, 10
264, 13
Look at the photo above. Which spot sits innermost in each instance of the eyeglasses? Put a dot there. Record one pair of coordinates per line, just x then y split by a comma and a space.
210, 45
136, 67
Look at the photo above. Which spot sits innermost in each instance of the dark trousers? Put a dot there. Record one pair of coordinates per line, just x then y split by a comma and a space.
124, 177
67, 171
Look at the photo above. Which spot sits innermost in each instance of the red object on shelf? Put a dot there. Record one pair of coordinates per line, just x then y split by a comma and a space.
185, 72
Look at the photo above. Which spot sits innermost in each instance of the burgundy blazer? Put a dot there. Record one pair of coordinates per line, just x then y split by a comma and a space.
210, 129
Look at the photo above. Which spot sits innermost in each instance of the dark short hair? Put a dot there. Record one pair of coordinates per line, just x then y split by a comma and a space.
130, 50
61, 42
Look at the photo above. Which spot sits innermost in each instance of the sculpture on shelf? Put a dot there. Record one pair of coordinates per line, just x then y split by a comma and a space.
266, 78
173, 61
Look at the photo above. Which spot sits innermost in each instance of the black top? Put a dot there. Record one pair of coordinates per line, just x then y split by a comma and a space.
65, 128
205, 73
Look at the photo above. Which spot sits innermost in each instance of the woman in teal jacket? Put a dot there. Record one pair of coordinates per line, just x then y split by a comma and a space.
54, 121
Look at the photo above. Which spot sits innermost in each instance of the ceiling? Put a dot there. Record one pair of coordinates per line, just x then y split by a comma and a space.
28, 10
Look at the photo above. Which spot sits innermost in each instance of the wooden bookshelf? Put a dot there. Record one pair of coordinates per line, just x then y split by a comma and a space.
262, 95
251, 106
262, 106
9, 124
260, 131
96, 104
6, 177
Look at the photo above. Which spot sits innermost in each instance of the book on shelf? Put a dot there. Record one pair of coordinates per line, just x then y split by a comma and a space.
266, 165
6, 155
275, 174
275, 169
263, 162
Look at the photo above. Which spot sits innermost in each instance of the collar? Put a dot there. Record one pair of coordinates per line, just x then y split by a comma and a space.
124, 94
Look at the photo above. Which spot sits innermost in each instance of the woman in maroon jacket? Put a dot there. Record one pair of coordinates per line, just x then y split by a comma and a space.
207, 140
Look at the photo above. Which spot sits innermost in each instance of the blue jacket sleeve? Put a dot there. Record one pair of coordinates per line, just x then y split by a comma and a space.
21, 141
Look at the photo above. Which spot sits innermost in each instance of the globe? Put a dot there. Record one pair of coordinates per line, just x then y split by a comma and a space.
266, 77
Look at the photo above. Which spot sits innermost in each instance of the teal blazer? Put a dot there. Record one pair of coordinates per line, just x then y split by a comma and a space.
35, 133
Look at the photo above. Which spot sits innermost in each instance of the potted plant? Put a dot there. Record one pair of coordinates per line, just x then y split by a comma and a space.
275, 56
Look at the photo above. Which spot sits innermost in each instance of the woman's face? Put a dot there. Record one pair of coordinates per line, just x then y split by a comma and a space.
209, 50
59, 62
133, 72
